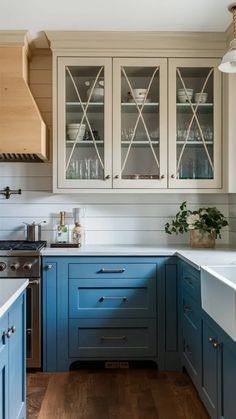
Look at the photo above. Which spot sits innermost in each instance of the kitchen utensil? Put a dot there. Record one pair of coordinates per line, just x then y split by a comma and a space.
184, 96
138, 93
74, 130
33, 231
97, 90
200, 97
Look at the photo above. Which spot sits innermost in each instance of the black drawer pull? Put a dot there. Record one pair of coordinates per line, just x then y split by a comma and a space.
112, 271
188, 280
124, 338
187, 309
112, 298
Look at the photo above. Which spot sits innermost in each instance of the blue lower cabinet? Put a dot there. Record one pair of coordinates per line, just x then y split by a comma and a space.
228, 380
192, 351
12, 362
4, 374
110, 308
210, 368
113, 338
111, 298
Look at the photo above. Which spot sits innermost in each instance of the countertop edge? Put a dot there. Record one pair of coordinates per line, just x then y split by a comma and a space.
13, 298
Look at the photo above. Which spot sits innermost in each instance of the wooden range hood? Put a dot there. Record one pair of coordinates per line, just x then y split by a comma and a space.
22, 129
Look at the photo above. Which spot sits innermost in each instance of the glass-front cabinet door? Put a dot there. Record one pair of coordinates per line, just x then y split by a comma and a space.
140, 123
84, 116
194, 123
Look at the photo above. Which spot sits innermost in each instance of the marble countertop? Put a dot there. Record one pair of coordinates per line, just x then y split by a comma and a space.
10, 289
221, 255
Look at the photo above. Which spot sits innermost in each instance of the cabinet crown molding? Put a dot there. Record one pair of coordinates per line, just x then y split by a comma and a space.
164, 42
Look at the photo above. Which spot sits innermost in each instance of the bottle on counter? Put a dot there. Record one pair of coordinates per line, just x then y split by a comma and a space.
77, 232
62, 230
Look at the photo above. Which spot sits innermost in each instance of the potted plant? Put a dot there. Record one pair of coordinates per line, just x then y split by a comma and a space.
204, 224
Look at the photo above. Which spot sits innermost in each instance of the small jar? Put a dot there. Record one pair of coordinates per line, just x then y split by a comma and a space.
77, 234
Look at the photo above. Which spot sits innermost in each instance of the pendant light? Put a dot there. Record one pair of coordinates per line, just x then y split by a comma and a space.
228, 63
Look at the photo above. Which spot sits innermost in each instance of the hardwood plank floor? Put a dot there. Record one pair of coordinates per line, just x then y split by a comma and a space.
112, 394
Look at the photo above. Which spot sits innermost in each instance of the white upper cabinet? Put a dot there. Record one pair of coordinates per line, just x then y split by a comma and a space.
84, 123
194, 123
137, 123
140, 123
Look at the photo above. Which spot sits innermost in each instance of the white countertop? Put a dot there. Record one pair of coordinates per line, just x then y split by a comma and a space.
10, 289
221, 255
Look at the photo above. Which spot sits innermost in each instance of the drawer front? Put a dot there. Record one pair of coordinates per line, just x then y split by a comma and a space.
191, 282
191, 311
92, 298
112, 338
191, 350
112, 270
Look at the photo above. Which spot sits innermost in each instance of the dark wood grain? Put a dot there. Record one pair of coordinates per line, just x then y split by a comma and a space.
112, 394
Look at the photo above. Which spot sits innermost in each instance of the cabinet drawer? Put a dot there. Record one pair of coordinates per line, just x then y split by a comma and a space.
191, 282
111, 298
191, 350
99, 338
112, 270
191, 311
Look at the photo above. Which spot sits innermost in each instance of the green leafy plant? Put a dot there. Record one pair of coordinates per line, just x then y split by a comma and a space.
207, 220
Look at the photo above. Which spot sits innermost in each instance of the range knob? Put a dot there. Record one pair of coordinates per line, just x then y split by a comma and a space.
27, 266
2, 266
14, 266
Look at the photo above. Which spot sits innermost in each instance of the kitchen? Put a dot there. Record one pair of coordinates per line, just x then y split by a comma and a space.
127, 166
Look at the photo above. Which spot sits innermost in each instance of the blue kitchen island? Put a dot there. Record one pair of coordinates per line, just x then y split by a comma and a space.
12, 348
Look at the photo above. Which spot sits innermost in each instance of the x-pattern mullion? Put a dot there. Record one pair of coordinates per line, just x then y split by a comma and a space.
84, 110
194, 116
140, 116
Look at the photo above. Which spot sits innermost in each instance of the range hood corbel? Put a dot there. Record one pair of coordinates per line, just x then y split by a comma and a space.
22, 129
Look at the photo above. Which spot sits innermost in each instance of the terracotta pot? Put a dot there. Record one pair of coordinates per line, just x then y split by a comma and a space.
202, 239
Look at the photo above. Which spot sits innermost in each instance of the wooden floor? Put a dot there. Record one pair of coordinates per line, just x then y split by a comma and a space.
112, 394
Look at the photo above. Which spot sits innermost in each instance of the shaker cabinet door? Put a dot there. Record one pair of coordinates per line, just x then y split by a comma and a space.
194, 123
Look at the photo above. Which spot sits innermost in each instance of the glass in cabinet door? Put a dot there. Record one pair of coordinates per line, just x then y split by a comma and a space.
83, 126
197, 132
138, 134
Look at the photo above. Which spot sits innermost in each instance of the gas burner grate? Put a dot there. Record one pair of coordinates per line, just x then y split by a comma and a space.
21, 245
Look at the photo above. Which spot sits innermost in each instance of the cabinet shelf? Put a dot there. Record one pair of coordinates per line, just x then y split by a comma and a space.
202, 107
138, 143
195, 142
92, 106
84, 143
149, 107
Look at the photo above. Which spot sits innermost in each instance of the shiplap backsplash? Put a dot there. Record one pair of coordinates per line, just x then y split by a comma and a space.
232, 219
110, 219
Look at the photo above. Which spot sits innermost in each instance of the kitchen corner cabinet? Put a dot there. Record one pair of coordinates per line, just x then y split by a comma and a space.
208, 353
110, 309
116, 128
12, 362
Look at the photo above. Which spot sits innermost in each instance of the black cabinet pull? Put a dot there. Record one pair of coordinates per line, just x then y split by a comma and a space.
112, 271
112, 298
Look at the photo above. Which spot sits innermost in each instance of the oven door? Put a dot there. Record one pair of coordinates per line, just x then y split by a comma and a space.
33, 324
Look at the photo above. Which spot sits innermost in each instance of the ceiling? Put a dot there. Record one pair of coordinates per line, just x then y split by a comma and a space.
116, 15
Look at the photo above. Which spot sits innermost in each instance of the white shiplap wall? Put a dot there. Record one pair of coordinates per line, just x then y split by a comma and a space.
110, 219
232, 219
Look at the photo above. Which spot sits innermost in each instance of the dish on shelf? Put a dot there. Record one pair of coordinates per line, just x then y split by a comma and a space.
200, 97
184, 95
97, 91
75, 131
139, 101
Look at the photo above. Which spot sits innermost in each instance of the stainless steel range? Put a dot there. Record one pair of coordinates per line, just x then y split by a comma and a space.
21, 259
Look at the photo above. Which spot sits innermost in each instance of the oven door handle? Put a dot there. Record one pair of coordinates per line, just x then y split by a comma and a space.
34, 282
